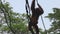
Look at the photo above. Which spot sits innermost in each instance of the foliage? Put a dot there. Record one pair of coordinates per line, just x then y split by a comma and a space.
55, 18
15, 22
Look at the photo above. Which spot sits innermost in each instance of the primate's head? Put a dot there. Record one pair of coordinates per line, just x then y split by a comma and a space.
39, 11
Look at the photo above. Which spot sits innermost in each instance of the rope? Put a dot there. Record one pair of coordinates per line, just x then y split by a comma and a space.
27, 9
43, 23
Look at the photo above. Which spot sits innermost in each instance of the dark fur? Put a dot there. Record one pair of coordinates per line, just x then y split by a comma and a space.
36, 12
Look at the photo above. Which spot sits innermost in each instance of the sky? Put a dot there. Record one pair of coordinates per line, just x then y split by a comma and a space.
47, 5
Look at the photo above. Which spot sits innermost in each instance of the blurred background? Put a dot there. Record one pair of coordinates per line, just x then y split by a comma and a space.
13, 18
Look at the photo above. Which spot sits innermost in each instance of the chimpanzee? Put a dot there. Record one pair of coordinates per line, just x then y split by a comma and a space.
36, 12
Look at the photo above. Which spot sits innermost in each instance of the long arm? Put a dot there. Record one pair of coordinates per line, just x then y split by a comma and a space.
40, 7
33, 5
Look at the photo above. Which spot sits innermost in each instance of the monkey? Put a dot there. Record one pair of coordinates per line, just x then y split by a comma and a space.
36, 12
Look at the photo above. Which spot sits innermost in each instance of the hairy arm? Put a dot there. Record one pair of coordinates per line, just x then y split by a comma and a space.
40, 7
33, 5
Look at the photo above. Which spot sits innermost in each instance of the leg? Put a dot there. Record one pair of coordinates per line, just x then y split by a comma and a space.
30, 27
36, 29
